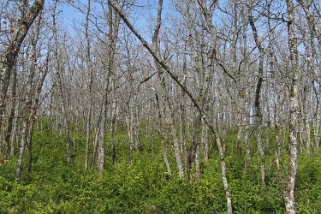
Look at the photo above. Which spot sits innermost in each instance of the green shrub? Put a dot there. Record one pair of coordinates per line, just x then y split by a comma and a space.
143, 186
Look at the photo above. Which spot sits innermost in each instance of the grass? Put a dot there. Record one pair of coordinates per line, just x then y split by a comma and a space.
143, 186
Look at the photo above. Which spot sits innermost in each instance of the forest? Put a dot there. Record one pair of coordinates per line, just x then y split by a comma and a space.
160, 106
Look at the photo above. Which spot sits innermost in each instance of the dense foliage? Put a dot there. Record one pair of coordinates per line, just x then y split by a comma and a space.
142, 185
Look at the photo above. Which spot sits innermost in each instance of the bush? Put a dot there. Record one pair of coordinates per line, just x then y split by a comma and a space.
143, 186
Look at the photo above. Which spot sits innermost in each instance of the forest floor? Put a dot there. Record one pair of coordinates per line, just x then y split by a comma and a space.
143, 186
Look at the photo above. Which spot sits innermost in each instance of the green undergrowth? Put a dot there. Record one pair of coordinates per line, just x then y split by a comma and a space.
142, 185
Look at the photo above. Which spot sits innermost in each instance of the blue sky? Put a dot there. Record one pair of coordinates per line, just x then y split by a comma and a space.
140, 18
140, 15
71, 15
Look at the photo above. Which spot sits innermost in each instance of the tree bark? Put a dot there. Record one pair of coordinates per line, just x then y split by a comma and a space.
294, 112
89, 66
205, 141
193, 149
257, 104
11, 121
112, 130
164, 147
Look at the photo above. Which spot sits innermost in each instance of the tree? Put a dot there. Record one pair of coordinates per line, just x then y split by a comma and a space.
59, 75
9, 55
294, 111
153, 52
257, 103
113, 27
90, 70
169, 112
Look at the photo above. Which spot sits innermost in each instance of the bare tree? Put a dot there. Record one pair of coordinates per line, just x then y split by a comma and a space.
169, 112
294, 111
59, 74
90, 71
113, 26
34, 87
154, 54
257, 103
9, 55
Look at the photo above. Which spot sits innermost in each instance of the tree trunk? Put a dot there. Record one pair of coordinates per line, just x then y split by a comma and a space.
112, 40
193, 149
59, 77
14, 129
25, 128
183, 132
197, 164
168, 105
11, 122
205, 141
294, 112
88, 62
258, 119
112, 131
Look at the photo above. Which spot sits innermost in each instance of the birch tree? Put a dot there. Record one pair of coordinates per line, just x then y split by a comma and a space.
294, 111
